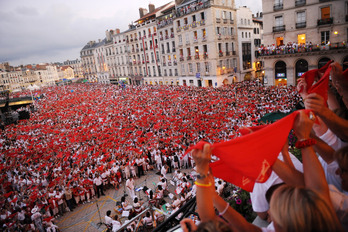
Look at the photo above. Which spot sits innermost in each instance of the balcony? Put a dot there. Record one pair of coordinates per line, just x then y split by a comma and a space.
325, 21
188, 58
234, 53
204, 38
225, 21
279, 28
169, 63
173, 50
178, 29
218, 20
227, 53
182, 58
164, 64
205, 56
197, 57
278, 7
221, 54
301, 25
300, 2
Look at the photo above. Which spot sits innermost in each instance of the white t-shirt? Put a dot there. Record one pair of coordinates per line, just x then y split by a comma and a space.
108, 220
258, 195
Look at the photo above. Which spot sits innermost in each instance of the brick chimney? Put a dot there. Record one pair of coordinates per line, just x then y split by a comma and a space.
151, 8
142, 12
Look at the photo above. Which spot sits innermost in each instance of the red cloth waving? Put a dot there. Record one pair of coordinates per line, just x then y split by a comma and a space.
322, 85
248, 159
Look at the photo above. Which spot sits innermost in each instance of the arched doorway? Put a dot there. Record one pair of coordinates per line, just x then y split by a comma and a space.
323, 61
280, 73
247, 76
301, 67
345, 63
225, 82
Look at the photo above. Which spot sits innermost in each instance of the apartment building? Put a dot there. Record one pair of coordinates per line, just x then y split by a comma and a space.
76, 66
88, 61
205, 38
300, 35
249, 31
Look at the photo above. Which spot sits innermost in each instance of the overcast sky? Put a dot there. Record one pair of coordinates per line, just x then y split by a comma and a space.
36, 31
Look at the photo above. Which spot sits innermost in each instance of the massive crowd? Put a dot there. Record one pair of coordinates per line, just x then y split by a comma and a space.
84, 136
85, 131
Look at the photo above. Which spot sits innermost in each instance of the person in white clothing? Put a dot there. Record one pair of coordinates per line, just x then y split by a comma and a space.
130, 187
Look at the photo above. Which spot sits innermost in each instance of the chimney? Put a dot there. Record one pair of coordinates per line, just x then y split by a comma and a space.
151, 8
107, 34
142, 12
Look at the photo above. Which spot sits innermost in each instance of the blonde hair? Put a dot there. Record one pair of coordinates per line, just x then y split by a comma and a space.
301, 209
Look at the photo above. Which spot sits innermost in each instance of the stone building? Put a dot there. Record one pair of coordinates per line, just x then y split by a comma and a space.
300, 35
206, 41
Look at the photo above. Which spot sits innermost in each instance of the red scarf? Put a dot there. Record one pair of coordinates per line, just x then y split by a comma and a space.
248, 159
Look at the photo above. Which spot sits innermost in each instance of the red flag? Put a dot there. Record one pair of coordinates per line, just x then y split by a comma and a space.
248, 159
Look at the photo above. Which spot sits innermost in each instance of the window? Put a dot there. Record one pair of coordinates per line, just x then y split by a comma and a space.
206, 66
301, 38
325, 12
190, 68
202, 16
183, 68
279, 21
193, 18
185, 21
301, 17
242, 34
325, 37
178, 23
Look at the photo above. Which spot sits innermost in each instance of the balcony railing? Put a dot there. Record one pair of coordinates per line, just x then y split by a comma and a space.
234, 53
267, 51
218, 20
301, 25
325, 21
278, 6
300, 2
225, 20
279, 28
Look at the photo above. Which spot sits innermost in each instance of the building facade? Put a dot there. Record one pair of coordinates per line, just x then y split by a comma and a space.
88, 61
300, 35
206, 41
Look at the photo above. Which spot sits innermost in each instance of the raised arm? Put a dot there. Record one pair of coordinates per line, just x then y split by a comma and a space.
314, 176
337, 125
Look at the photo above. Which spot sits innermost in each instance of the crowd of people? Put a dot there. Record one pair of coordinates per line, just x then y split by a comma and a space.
307, 196
84, 137
289, 48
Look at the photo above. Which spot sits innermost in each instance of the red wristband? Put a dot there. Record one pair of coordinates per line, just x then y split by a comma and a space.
305, 143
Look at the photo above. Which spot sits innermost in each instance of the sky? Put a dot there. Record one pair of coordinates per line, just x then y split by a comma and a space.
39, 31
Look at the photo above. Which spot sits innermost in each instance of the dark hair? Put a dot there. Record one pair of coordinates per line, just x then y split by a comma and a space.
271, 190
123, 199
160, 187
108, 213
147, 214
135, 200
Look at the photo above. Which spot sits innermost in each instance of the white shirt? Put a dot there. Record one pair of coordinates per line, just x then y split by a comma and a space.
108, 220
257, 196
98, 181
